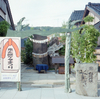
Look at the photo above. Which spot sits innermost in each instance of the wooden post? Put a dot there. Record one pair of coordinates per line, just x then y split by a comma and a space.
56, 68
19, 86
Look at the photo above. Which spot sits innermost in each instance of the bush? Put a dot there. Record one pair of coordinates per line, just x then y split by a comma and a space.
26, 55
62, 51
63, 38
23, 55
4, 25
84, 44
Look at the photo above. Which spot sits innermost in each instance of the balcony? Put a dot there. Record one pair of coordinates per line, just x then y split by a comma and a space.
3, 6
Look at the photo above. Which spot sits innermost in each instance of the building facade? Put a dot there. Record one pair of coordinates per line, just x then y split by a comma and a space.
5, 13
92, 9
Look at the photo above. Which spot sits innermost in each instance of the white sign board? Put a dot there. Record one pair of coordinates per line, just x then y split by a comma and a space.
10, 53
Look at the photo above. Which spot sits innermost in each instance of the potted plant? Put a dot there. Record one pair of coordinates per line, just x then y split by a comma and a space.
83, 47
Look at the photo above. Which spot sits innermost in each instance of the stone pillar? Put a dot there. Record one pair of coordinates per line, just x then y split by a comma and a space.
67, 58
87, 79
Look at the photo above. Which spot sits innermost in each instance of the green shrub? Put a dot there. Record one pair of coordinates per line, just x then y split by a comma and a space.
4, 25
26, 55
83, 44
62, 50
23, 55
63, 38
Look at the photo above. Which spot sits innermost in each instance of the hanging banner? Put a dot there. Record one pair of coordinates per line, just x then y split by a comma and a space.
10, 48
39, 41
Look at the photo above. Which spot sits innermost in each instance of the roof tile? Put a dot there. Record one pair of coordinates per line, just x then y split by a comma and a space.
95, 6
77, 15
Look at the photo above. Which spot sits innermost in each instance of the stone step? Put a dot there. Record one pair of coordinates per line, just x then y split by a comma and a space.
42, 85
48, 82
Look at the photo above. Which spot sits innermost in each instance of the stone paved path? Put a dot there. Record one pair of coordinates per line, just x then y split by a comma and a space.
31, 77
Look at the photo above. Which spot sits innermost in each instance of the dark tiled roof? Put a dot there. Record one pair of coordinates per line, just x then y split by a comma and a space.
77, 15
22, 42
60, 59
97, 26
94, 6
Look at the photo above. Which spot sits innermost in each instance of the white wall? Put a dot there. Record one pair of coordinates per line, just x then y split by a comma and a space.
96, 19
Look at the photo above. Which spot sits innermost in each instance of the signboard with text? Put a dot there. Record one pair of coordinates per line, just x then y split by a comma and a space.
87, 79
10, 50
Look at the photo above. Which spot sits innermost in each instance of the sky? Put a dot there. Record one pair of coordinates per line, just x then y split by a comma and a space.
46, 12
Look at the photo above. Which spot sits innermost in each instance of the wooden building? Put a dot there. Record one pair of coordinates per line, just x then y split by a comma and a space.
92, 9
77, 15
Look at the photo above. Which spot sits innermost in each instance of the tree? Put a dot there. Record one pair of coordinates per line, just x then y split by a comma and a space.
64, 24
4, 25
32, 28
84, 43
63, 38
62, 51
27, 53
88, 18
